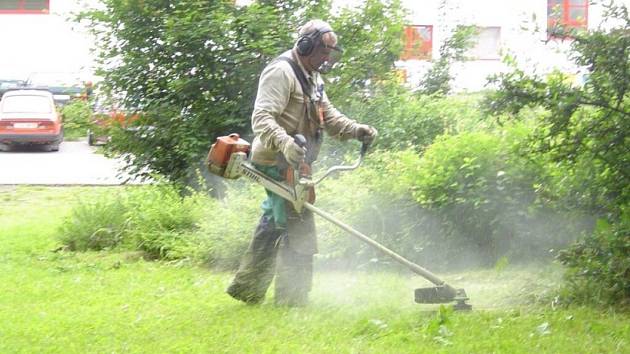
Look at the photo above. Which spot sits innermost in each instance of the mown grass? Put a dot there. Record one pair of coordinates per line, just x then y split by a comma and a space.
53, 301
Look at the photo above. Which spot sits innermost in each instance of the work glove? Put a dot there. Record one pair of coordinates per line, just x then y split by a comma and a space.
293, 153
366, 133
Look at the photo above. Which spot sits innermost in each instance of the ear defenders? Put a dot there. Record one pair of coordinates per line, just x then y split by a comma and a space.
307, 42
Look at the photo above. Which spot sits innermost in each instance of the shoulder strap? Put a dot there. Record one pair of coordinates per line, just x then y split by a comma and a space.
299, 74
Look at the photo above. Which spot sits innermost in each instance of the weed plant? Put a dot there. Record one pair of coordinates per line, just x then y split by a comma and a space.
95, 224
152, 219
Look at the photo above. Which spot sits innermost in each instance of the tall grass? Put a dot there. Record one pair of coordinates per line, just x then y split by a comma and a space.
152, 219
162, 224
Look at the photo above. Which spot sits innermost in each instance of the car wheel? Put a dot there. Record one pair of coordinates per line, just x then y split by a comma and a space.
90, 137
5, 147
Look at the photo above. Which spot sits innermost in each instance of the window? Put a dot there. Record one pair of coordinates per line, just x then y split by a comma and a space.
418, 42
567, 13
26, 104
486, 45
24, 6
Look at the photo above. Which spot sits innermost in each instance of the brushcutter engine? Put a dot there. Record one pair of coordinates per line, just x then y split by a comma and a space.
226, 155
228, 158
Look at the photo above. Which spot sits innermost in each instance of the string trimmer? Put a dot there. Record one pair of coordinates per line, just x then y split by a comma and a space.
228, 158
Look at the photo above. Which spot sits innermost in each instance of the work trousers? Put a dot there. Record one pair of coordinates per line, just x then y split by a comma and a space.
285, 252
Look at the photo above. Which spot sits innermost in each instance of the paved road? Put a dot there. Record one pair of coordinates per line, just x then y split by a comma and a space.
76, 163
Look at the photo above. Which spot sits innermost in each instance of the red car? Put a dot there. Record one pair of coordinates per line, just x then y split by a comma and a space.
29, 116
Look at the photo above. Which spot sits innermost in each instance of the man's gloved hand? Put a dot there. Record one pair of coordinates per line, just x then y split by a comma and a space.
366, 133
293, 153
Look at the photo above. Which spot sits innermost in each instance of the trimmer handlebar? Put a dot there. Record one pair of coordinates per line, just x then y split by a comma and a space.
364, 148
300, 140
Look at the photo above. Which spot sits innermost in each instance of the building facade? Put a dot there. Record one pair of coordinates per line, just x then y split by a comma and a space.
39, 37
516, 27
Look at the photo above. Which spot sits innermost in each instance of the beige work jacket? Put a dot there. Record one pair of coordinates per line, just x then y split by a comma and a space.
282, 110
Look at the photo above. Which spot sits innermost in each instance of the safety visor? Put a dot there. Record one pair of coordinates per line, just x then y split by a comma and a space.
333, 58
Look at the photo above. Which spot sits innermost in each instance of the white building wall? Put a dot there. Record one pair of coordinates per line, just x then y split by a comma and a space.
53, 43
36, 43
517, 21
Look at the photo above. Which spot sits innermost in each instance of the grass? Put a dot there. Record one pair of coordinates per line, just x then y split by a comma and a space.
113, 302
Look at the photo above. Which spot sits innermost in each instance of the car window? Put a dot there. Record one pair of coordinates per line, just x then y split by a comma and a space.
26, 104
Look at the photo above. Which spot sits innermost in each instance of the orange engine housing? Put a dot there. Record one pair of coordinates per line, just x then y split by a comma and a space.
221, 151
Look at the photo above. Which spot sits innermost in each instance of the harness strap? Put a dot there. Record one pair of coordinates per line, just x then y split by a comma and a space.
299, 74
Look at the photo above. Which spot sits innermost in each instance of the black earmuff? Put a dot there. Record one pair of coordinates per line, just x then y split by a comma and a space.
306, 43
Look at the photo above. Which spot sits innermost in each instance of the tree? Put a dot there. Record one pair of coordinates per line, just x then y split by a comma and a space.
583, 123
437, 80
584, 133
191, 68
460, 38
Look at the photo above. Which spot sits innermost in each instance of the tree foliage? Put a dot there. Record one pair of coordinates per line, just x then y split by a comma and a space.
437, 80
584, 131
584, 123
191, 67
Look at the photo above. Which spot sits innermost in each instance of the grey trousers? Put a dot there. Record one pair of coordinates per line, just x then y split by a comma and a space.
285, 253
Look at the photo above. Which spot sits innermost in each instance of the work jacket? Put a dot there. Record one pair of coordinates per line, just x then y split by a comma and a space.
282, 110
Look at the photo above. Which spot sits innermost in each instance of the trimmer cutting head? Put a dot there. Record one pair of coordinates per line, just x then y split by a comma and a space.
442, 295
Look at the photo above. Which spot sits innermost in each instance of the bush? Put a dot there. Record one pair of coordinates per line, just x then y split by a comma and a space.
406, 120
599, 266
153, 219
228, 226
471, 198
94, 224
162, 221
76, 118
485, 193
162, 224
584, 132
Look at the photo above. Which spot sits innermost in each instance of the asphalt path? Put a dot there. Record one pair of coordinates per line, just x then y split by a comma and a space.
76, 163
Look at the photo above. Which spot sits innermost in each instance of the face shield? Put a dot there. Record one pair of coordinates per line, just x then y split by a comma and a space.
333, 57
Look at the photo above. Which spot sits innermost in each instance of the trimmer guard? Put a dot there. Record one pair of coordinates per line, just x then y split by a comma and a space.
442, 295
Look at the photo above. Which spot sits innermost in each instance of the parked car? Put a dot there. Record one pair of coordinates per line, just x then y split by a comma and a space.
30, 117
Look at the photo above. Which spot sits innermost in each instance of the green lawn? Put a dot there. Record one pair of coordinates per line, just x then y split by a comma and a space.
107, 302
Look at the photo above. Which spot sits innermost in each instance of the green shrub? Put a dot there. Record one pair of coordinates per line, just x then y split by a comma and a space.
95, 224
470, 198
162, 224
599, 265
76, 118
162, 220
484, 191
585, 132
407, 120
228, 225
153, 219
